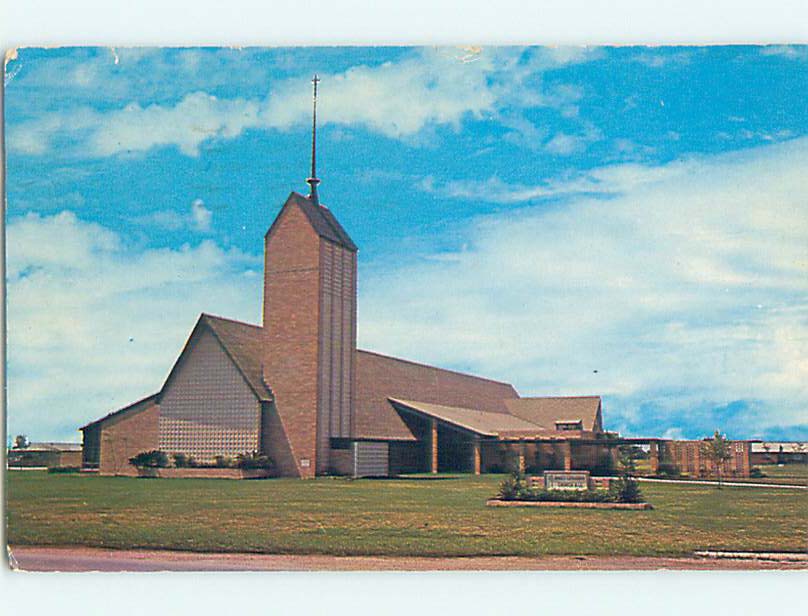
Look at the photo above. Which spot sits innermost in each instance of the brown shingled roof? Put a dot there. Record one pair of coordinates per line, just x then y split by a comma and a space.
322, 221
545, 412
242, 342
134, 408
379, 377
480, 422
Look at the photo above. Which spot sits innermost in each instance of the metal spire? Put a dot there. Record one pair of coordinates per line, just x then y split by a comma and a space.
313, 181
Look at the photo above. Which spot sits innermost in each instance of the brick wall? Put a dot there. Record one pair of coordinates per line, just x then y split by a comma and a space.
274, 442
126, 437
291, 330
337, 344
207, 409
690, 459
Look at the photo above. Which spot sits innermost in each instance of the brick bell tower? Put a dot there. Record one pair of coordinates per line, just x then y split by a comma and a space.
309, 327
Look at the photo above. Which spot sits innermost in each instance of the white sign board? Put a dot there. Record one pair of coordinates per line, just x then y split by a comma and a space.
566, 480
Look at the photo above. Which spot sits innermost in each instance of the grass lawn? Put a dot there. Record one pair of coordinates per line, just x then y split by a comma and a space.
414, 516
796, 474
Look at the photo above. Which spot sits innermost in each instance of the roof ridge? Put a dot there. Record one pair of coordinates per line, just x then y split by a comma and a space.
235, 358
229, 320
447, 406
423, 365
121, 410
587, 397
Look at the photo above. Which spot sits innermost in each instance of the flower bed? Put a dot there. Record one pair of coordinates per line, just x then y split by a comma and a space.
498, 502
516, 491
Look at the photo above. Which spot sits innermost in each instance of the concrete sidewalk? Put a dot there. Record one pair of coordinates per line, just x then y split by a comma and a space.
733, 484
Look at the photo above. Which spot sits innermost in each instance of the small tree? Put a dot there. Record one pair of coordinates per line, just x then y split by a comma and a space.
626, 489
719, 451
21, 441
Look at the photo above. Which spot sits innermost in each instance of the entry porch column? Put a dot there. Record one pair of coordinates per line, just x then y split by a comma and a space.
654, 457
475, 455
521, 457
433, 445
566, 450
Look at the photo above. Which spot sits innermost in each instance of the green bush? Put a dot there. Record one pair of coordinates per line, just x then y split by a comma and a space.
511, 487
150, 459
756, 473
625, 490
64, 469
223, 462
253, 460
556, 496
182, 460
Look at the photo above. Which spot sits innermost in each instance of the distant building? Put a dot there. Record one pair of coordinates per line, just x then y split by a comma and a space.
45, 455
779, 452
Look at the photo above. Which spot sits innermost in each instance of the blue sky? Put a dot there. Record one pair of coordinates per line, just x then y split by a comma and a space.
630, 221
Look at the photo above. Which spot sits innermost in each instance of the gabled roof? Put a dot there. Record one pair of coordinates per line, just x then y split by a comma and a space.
243, 343
321, 219
131, 409
545, 412
500, 425
379, 377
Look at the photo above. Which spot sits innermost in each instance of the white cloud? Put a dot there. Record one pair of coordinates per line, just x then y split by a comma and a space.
609, 180
398, 99
792, 52
94, 324
661, 58
198, 218
687, 287
200, 215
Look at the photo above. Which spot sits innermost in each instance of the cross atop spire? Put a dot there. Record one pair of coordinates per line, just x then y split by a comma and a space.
313, 181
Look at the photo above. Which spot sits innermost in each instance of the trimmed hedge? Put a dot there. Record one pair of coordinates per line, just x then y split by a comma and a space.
64, 469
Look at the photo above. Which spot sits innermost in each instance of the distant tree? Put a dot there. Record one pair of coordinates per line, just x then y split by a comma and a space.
719, 451
21, 441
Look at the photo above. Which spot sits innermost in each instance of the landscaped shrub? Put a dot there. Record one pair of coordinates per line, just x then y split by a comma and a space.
223, 462
625, 490
253, 460
150, 459
182, 460
64, 469
511, 487
514, 489
756, 473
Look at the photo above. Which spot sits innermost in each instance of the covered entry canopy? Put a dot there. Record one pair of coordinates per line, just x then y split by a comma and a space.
476, 438
482, 423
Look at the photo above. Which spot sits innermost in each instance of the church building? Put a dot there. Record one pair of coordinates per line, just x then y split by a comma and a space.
297, 389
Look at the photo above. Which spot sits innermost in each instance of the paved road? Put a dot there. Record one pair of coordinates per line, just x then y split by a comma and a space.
94, 559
